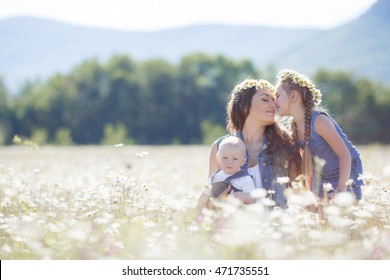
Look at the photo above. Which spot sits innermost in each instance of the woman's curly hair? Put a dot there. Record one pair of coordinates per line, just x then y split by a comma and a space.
280, 144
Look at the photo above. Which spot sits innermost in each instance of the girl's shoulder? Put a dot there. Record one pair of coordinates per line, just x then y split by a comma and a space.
319, 114
322, 123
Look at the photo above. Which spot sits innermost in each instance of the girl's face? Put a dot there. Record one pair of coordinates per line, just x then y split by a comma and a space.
282, 101
231, 159
263, 107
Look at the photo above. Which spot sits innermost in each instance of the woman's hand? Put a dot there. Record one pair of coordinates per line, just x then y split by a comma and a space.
244, 197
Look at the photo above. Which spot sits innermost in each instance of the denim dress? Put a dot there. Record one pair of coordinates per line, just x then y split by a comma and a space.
270, 169
330, 171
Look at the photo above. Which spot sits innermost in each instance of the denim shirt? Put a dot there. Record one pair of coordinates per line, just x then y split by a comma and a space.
330, 171
269, 171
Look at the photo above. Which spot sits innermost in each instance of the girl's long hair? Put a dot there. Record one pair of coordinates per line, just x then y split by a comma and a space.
307, 167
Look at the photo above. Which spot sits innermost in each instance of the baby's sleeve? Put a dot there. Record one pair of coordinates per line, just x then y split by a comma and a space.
249, 184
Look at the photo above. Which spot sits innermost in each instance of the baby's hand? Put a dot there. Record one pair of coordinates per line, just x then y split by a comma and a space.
225, 192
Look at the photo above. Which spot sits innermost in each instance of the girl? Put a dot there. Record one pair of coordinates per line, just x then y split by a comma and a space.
320, 136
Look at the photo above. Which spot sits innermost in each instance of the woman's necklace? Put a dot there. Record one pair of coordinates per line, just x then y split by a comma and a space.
255, 149
253, 155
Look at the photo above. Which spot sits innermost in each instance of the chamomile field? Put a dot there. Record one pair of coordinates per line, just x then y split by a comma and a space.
138, 202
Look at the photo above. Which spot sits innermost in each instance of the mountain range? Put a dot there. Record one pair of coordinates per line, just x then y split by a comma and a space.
37, 48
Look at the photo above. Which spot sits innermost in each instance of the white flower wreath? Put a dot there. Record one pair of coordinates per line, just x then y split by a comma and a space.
302, 81
258, 84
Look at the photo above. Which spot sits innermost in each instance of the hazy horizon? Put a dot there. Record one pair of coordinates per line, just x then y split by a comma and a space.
152, 15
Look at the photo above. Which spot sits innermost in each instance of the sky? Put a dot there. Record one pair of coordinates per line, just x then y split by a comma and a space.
152, 15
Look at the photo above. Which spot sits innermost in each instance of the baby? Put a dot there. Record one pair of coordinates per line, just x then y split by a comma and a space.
231, 156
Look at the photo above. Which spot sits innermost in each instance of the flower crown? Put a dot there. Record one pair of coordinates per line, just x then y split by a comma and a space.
301, 81
258, 84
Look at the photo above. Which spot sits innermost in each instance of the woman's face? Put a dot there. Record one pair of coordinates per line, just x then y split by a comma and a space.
282, 101
263, 107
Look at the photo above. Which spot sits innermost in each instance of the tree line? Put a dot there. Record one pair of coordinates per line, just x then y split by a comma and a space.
158, 102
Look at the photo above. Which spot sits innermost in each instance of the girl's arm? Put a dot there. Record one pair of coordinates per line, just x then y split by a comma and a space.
326, 129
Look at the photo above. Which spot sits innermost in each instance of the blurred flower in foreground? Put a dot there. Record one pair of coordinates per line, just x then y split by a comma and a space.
142, 154
282, 180
344, 199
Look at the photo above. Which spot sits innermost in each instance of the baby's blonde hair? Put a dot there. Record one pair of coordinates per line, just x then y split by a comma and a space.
233, 142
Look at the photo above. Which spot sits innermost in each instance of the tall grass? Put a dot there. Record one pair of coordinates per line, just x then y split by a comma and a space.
137, 202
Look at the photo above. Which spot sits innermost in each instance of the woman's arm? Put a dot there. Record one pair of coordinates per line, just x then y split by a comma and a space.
202, 203
244, 197
213, 163
326, 129
213, 166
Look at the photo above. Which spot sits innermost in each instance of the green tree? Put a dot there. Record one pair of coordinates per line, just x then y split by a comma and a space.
63, 137
205, 82
115, 134
5, 115
88, 115
123, 103
354, 103
159, 106
156, 102
211, 132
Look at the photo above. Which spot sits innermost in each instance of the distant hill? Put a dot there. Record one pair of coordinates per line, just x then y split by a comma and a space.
362, 46
35, 47
32, 47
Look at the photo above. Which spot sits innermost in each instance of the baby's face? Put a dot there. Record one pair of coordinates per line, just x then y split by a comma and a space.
231, 159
